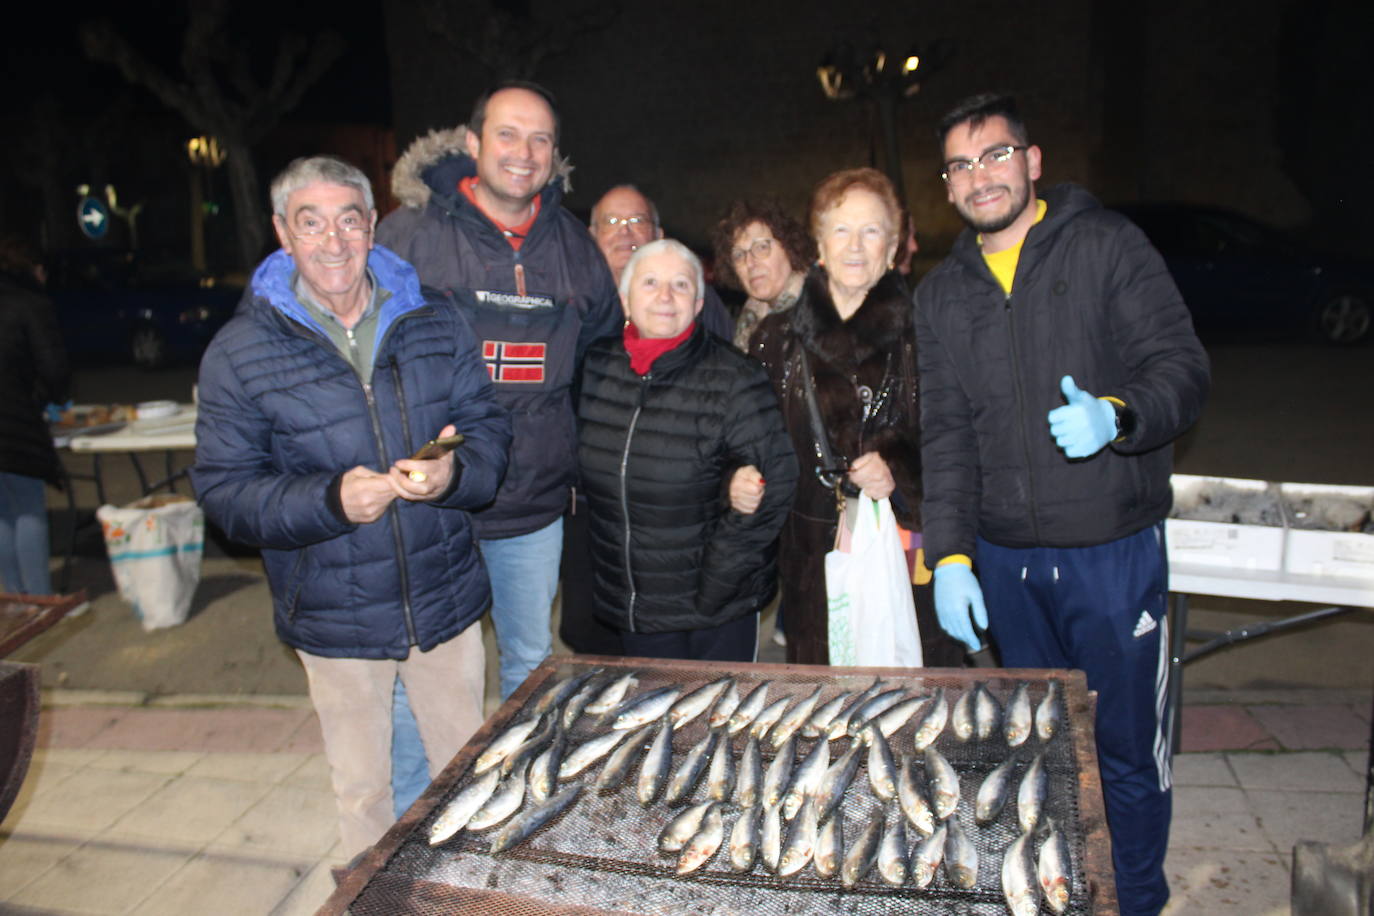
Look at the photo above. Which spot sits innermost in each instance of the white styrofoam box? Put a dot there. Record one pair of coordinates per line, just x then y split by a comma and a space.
1327, 553
1228, 545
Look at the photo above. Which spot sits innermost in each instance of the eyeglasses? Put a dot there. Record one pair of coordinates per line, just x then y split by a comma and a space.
346, 233
759, 248
998, 156
615, 222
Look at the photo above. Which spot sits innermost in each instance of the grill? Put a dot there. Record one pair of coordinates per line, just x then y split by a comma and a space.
601, 855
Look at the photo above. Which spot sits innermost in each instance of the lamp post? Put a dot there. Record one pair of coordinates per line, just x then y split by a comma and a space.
885, 79
205, 154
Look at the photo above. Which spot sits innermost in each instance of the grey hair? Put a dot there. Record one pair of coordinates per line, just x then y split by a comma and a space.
657, 247
653, 207
309, 170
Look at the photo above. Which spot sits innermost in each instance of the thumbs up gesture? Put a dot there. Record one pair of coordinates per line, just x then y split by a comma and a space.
1085, 424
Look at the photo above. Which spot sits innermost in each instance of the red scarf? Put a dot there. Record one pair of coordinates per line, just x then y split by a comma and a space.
644, 350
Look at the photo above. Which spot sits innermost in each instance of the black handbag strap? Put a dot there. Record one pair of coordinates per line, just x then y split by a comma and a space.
817, 426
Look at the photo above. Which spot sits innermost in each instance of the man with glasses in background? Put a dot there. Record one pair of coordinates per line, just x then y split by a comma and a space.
1058, 364
336, 369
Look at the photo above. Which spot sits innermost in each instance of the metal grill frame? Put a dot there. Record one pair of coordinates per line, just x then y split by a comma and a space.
380, 871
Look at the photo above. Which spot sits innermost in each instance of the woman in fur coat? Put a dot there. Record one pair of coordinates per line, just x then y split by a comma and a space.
852, 328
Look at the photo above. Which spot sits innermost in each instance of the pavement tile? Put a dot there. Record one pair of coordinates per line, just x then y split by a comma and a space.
189, 810
1203, 770
169, 763
67, 727
300, 822
308, 895
101, 878
313, 773
71, 756
1303, 727
1308, 771
307, 739
24, 858
269, 769
1222, 728
244, 729
225, 884
1214, 817
1359, 762
1226, 883
90, 801
1288, 817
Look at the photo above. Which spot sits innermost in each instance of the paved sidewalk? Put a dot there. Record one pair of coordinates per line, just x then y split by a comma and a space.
217, 805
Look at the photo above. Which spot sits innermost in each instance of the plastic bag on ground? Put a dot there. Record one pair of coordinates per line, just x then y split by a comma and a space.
155, 546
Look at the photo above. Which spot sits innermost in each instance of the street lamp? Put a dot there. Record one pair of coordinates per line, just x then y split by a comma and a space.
886, 79
205, 154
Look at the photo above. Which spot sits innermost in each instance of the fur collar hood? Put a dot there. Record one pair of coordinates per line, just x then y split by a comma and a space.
881, 322
439, 152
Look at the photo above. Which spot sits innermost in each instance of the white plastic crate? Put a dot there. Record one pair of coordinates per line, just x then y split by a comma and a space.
1230, 545
1313, 551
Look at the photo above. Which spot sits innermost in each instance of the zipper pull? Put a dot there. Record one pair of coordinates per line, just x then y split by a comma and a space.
520, 279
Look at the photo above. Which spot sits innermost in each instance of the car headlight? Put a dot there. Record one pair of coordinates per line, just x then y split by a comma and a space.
196, 314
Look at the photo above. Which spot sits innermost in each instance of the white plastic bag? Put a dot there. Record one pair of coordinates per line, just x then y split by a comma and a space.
155, 546
872, 615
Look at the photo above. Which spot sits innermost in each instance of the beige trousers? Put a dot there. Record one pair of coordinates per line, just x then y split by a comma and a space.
352, 697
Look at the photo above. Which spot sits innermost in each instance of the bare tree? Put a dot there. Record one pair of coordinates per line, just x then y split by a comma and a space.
219, 94
510, 40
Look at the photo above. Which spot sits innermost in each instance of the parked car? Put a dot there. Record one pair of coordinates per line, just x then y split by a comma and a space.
115, 306
1242, 279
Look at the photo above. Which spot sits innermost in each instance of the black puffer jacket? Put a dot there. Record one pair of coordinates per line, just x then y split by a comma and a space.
657, 453
1092, 299
33, 372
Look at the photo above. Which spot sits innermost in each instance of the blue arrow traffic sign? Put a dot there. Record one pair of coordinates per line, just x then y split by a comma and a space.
93, 217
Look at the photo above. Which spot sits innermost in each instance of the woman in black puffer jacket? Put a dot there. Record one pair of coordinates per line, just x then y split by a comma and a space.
669, 414
33, 372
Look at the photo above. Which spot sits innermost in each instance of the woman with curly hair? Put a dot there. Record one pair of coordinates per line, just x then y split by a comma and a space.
766, 253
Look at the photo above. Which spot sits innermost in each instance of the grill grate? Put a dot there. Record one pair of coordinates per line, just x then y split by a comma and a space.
602, 856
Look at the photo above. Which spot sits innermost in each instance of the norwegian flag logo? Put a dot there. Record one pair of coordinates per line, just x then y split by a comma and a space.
508, 361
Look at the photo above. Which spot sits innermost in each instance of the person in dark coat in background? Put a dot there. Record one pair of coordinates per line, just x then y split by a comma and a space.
33, 373
851, 333
668, 413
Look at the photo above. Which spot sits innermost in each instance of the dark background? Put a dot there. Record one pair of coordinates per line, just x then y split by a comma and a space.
1260, 106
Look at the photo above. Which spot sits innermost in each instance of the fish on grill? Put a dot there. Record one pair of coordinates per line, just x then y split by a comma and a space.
504, 802
682, 827
588, 753
612, 695
504, 744
825, 714
527, 822
533, 746
839, 726
835, 782
961, 856
1047, 713
656, 764
830, 846
873, 708
1019, 887
749, 775
1054, 869
927, 856
800, 845
553, 698
943, 782
787, 725
725, 706
769, 716
464, 805
749, 709
807, 779
893, 862
701, 847
987, 712
770, 837
720, 778
775, 778
1020, 718
932, 721
993, 793
622, 760
1030, 796
543, 775
912, 798
698, 701
688, 774
861, 856
882, 769
961, 718
745, 838
646, 708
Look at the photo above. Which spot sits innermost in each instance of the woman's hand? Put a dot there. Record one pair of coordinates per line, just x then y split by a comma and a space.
746, 490
870, 473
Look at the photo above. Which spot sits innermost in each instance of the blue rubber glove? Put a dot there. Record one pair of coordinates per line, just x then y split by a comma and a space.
959, 603
1085, 424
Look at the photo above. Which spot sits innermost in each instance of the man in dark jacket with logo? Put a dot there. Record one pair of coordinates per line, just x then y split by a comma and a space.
335, 369
1059, 363
482, 218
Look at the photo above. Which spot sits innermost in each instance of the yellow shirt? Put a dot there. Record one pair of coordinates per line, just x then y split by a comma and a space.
1003, 263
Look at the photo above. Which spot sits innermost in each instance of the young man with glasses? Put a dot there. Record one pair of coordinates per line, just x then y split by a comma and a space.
1058, 364
335, 369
